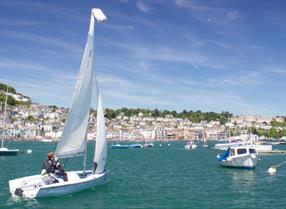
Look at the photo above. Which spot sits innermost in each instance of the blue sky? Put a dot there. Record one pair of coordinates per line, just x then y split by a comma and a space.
166, 54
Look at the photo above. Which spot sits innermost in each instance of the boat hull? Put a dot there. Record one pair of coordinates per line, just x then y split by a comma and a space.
33, 186
246, 161
191, 146
119, 146
9, 152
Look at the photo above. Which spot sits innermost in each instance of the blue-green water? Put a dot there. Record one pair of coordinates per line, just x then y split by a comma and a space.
158, 177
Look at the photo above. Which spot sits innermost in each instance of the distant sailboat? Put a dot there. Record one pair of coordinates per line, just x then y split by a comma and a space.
73, 142
205, 144
4, 151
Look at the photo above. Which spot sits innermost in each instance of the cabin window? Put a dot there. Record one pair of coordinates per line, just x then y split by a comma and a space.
252, 151
241, 151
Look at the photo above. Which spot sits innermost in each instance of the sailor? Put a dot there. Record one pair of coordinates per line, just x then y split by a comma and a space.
59, 170
52, 166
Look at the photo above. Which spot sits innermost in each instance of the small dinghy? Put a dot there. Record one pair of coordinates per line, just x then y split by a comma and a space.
191, 145
73, 141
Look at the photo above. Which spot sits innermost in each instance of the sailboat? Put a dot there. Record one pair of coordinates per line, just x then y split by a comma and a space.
205, 144
73, 142
4, 151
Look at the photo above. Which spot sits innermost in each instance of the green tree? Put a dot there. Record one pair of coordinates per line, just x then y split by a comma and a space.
273, 133
11, 89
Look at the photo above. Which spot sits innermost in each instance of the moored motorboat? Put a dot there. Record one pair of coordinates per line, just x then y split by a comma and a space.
244, 140
120, 146
137, 145
46, 140
4, 151
190, 145
148, 144
239, 157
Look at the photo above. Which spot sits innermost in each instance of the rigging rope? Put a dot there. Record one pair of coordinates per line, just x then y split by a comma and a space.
280, 164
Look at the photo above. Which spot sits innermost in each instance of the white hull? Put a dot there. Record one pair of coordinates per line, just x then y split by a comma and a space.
225, 146
33, 186
245, 161
46, 140
193, 146
259, 147
6, 152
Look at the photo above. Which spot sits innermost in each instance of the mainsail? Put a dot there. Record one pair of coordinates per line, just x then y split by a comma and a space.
73, 140
101, 144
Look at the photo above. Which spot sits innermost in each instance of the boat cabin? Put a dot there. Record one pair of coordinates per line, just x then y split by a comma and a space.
234, 151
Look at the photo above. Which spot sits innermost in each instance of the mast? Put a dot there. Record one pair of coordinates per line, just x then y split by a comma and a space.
4, 117
85, 154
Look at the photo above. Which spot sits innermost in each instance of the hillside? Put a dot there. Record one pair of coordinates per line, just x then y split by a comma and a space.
14, 98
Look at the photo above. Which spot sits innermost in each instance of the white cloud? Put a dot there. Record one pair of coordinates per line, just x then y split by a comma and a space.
20, 65
148, 53
118, 27
143, 7
239, 79
233, 15
192, 5
48, 41
18, 22
276, 70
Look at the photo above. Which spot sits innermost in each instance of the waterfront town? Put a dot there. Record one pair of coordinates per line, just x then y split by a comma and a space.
32, 121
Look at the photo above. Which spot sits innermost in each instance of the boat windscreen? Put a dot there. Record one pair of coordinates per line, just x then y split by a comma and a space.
252, 151
224, 155
241, 151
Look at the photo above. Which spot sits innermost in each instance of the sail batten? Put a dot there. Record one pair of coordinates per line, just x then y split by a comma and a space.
72, 142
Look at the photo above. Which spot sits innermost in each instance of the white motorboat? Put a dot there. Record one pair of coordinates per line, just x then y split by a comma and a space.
4, 151
244, 140
239, 157
205, 145
190, 145
73, 142
46, 140
225, 146
259, 146
150, 144
136, 145
120, 146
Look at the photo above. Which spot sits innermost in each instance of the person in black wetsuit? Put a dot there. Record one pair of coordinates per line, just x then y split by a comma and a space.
52, 166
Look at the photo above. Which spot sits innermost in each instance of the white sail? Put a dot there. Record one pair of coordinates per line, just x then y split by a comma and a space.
73, 141
101, 143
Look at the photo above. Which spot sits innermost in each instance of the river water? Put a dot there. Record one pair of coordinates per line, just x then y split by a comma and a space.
158, 177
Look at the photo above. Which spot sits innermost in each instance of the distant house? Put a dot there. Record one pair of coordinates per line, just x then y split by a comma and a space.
19, 97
